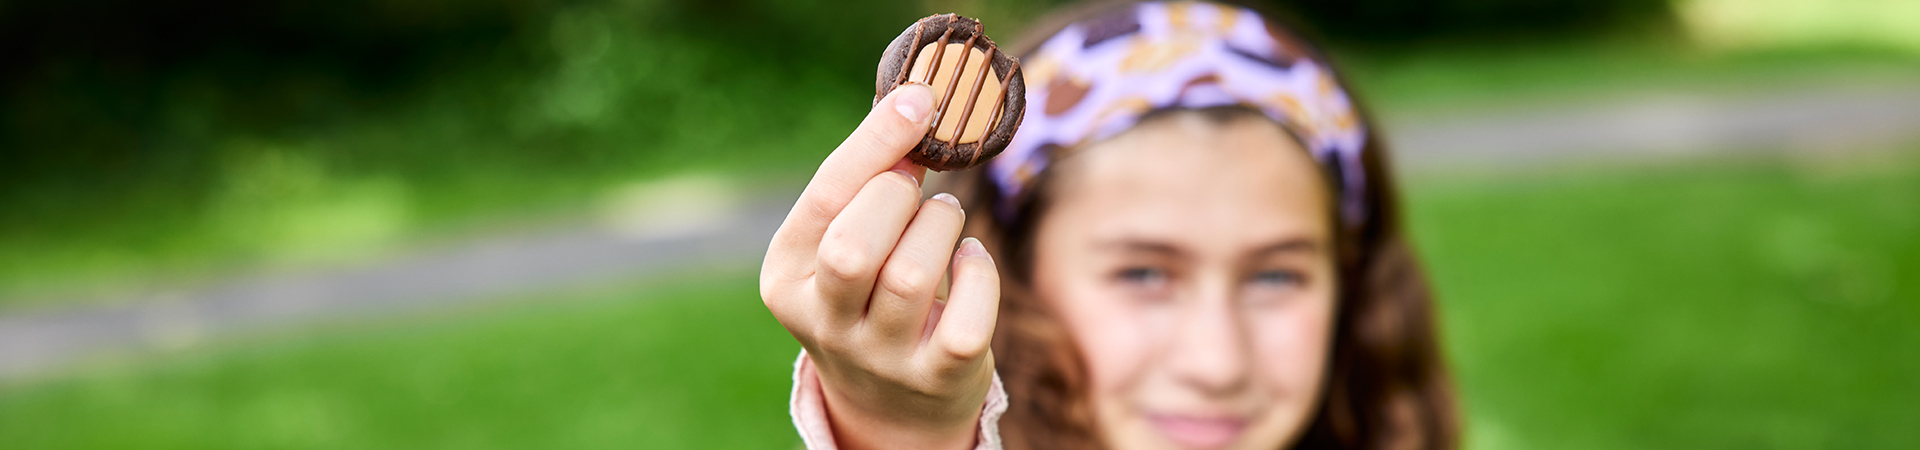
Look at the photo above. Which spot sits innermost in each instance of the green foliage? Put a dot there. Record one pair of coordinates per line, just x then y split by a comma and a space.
143, 143
301, 141
1398, 22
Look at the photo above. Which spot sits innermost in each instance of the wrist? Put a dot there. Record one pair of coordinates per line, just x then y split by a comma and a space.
861, 431
951, 423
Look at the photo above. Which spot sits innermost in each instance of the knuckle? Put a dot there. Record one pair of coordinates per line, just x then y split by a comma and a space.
843, 261
974, 271
908, 281
961, 349
941, 212
893, 184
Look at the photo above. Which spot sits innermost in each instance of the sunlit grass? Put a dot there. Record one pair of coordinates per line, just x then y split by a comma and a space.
1741, 306
699, 365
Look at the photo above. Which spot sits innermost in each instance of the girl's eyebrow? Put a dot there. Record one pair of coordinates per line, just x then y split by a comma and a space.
1142, 246
1295, 245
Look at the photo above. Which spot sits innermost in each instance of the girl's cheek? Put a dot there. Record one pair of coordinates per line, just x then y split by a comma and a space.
1292, 342
1118, 335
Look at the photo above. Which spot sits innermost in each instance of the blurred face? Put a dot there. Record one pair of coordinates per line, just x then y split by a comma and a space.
1192, 261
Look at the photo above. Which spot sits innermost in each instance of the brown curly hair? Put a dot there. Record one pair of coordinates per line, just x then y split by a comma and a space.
1387, 386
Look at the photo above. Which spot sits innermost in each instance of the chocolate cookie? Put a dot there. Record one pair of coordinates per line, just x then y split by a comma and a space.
978, 90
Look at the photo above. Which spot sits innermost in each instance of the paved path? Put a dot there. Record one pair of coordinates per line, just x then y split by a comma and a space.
1633, 127
1815, 120
503, 266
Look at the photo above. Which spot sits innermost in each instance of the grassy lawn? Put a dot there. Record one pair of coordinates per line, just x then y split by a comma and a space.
1751, 305
700, 365
1747, 306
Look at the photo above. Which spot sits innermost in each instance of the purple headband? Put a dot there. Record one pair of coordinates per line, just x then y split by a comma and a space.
1096, 78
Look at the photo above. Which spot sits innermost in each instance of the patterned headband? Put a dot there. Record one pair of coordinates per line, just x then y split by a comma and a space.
1096, 78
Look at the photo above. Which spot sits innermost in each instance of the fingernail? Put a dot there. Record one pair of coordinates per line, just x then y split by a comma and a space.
970, 247
949, 198
913, 101
905, 173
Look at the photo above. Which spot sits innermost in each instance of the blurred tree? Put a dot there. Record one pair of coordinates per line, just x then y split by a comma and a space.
1392, 22
85, 80
128, 125
86, 83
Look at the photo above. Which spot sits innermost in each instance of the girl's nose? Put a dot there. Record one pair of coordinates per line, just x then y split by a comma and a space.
1210, 349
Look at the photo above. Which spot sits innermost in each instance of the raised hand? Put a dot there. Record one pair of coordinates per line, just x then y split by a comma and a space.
853, 274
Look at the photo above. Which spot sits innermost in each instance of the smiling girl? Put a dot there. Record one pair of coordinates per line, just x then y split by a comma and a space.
1192, 242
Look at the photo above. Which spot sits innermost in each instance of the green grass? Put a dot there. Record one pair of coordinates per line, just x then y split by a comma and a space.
699, 365
1749, 305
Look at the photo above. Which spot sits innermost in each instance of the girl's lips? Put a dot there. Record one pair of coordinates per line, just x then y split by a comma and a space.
1199, 432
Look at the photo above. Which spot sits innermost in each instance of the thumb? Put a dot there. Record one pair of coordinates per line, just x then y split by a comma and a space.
913, 101
893, 128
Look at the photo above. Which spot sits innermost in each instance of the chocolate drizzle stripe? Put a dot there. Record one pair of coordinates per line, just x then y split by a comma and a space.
966, 112
1006, 80
999, 110
938, 52
913, 53
953, 85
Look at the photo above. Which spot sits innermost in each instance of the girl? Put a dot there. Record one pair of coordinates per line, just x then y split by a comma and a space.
1192, 242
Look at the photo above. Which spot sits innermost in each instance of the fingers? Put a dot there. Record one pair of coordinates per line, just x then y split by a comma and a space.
907, 165
858, 242
965, 329
892, 128
907, 282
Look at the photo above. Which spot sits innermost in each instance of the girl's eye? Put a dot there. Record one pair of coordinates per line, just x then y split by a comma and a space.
1278, 278
1144, 282
1149, 276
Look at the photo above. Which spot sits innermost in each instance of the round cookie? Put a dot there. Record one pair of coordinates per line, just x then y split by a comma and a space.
979, 93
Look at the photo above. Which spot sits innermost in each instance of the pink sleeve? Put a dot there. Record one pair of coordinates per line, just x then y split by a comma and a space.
809, 410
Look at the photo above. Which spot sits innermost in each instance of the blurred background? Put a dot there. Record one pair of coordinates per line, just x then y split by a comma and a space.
537, 223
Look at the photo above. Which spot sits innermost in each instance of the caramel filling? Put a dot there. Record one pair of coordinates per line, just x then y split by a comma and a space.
986, 106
